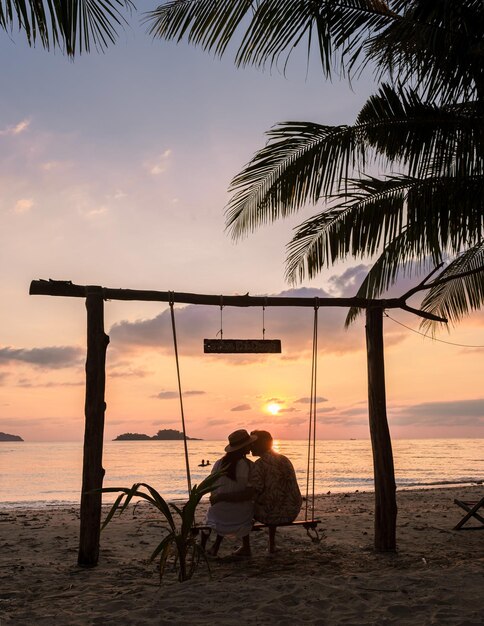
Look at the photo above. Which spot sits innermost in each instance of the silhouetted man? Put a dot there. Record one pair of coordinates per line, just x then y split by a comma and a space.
276, 492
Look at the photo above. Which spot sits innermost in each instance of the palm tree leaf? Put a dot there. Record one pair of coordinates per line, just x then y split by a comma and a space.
302, 161
74, 25
270, 29
426, 216
456, 298
435, 45
356, 225
425, 136
395, 261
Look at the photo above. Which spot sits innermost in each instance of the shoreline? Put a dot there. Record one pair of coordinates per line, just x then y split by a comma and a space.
47, 505
436, 576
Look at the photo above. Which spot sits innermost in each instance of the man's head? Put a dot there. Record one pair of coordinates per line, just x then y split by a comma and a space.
262, 444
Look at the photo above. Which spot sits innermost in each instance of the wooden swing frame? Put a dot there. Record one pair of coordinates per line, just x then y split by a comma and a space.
95, 405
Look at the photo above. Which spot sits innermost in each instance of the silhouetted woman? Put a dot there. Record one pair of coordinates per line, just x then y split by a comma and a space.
231, 509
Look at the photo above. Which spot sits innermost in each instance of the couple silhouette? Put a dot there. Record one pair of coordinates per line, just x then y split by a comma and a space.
265, 491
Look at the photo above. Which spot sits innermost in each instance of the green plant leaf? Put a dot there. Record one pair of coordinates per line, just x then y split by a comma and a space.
161, 504
113, 510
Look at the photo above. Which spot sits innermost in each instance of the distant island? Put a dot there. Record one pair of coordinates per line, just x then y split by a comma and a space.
168, 434
7, 437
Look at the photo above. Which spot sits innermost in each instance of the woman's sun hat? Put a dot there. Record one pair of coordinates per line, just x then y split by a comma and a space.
239, 439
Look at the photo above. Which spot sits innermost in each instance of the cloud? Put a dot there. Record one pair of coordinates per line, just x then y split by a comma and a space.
166, 422
50, 166
23, 205
47, 358
3, 377
292, 324
118, 372
158, 166
17, 129
342, 419
21, 422
217, 422
295, 421
95, 212
346, 284
169, 395
241, 407
27, 384
451, 413
307, 400
166, 395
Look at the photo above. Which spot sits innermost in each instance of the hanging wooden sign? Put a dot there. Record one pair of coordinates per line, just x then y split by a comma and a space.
227, 346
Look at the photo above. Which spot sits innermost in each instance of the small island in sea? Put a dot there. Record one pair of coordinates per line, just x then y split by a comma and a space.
167, 434
7, 437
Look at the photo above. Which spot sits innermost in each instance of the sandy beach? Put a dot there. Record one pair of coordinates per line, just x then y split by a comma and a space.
436, 577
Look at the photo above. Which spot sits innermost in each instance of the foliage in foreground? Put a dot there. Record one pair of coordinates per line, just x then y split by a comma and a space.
74, 27
179, 539
422, 129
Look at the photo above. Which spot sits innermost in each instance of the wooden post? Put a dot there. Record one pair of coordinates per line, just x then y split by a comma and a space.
385, 496
95, 406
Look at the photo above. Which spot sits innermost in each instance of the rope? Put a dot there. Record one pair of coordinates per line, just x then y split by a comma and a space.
311, 471
221, 331
417, 332
187, 464
264, 320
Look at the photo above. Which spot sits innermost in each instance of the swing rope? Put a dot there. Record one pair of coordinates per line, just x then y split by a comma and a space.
175, 344
311, 464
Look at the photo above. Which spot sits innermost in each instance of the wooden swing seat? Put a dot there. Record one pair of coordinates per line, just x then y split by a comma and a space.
311, 524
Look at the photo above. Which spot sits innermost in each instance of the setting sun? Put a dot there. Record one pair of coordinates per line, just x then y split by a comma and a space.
274, 408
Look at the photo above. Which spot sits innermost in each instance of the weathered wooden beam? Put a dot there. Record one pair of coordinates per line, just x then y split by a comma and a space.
68, 289
95, 406
384, 473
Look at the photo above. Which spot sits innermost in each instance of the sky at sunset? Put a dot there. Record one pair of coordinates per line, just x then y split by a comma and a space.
114, 171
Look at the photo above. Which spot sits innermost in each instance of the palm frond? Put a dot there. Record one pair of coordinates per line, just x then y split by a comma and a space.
435, 45
302, 161
74, 25
268, 30
431, 215
456, 298
356, 225
394, 262
424, 136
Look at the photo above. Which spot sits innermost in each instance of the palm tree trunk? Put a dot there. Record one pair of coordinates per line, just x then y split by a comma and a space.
385, 498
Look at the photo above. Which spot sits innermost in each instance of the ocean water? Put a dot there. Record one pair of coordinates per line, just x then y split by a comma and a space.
49, 474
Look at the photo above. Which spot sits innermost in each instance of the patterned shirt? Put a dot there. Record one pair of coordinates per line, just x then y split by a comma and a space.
278, 499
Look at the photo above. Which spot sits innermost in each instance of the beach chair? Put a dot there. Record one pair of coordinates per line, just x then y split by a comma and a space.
471, 509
